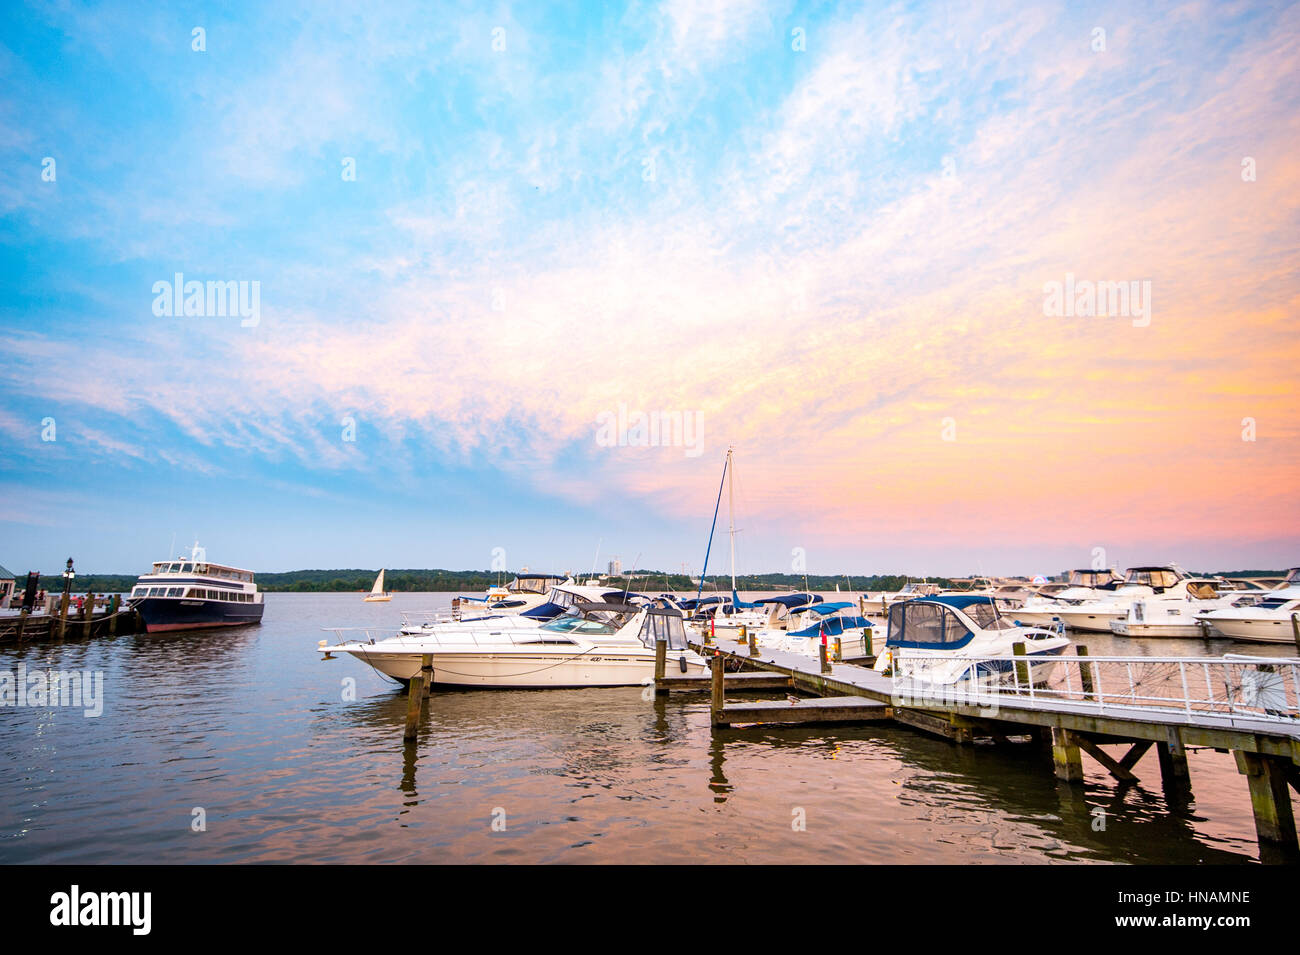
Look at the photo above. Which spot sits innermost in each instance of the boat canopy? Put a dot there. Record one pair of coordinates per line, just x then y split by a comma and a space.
929, 624
825, 608
791, 600
663, 624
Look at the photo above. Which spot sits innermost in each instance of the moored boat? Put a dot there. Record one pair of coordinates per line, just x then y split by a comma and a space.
195, 594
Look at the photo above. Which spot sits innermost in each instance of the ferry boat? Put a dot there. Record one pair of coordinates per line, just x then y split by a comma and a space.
195, 594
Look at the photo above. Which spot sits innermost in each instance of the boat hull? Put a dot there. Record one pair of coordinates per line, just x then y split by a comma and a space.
606, 668
1254, 631
1127, 628
164, 614
1093, 621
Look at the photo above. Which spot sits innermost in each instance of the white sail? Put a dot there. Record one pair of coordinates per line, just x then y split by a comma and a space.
378, 588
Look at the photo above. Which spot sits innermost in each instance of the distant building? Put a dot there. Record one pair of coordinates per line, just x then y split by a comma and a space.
7, 585
615, 567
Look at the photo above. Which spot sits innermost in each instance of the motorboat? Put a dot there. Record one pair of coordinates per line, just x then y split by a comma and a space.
195, 594
1176, 613
932, 640
529, 607
1097, 614
377, 593
1041, 608
599, 644
1269, 620
804, 628
877, 603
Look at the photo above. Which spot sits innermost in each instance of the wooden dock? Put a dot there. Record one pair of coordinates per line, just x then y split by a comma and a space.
70, 623
1075, 720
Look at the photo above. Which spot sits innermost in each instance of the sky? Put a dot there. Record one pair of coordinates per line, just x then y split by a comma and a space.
491, 245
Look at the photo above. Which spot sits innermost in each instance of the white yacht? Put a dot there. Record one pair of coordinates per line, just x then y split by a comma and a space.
1041, 608
938, 635
601, 644
878, 602
527, 607
1096, 615
1268, 621
1175, 613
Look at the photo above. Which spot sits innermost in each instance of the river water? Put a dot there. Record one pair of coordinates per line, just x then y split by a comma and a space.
243, 746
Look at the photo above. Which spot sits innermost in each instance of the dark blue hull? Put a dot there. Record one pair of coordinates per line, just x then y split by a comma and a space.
172, 613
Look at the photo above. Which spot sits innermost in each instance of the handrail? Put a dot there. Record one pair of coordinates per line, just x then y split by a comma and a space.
1266, 689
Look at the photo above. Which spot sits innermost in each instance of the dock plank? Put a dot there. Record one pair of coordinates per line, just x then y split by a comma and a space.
828, 709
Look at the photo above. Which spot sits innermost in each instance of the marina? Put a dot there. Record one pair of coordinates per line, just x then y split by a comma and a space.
1195, 775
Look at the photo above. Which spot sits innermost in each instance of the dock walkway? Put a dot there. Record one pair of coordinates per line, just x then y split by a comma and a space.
1249, 706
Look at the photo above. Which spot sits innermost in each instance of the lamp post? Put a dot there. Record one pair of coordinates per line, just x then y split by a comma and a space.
68, 575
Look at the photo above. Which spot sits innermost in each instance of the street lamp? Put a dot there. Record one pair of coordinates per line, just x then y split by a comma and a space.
67, 577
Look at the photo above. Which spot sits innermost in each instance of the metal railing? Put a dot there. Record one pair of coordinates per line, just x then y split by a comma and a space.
1265, 689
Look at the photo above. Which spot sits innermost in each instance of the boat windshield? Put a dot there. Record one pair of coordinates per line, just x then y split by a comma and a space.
1152, 578
1089, 578
532, 585
664, 626
987, 618
578, 625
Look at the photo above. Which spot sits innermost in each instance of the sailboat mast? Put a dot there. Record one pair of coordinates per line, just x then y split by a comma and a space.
731, 515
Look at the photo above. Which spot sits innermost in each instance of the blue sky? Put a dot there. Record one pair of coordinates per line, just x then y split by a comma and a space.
822, 229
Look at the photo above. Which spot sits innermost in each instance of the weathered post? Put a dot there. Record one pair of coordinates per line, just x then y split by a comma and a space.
1066, 756
87, 615
113, 606
415, 699
426, 671
22, 624
63, 614
661, 665
821, 654
1295, 630
839, 650
1174, 773
1270, 800
1085, 670
716, 700
752, 640
867, 649
1022, 668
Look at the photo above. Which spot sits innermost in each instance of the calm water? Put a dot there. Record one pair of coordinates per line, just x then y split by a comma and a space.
253, 727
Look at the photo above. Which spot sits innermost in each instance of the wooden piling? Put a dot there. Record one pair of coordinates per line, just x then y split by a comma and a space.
1066, 755
1174, 774
63, 615
839, 650
1022, 669
661, 664
114, 605
22, 624
821, 655
426, 672
748, 637
1295, 630
415, 699
1085, 669
716, 700
87, 615
1270, 799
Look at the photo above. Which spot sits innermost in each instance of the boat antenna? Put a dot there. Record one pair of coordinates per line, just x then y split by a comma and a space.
596, 560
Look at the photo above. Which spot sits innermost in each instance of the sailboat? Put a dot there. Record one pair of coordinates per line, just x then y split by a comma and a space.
377, 593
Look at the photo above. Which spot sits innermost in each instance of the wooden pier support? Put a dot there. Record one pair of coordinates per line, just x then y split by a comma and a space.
1022, 669
63, 615
1085, 669
661, 665
717, 670
1270, 799
821, 655
1066, 756
87, 615
113, 606
415, 695
1174, 774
